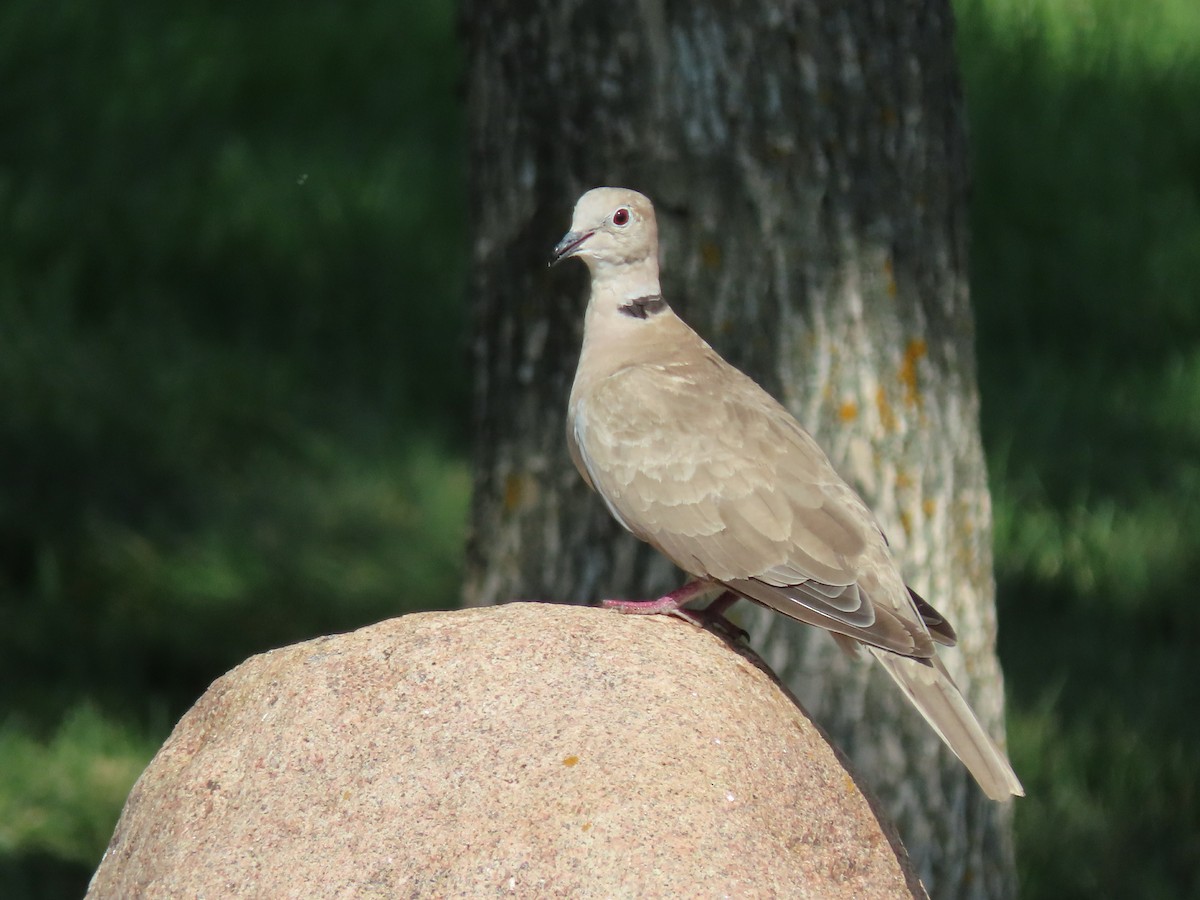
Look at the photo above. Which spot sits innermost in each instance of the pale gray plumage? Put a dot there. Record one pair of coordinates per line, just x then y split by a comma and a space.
693, 457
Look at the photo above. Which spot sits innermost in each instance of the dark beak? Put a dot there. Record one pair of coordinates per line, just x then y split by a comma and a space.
571, 242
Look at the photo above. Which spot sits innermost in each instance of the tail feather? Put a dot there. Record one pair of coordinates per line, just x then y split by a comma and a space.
930, 689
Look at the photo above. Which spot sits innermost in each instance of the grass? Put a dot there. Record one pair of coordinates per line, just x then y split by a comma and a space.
1085, 131
57, 796
228, 238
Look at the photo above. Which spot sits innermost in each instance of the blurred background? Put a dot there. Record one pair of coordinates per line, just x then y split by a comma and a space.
234, 404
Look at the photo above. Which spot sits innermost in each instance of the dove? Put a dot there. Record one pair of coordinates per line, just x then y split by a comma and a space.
693, 457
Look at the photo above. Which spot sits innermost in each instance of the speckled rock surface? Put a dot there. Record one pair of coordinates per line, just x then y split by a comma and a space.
524, 750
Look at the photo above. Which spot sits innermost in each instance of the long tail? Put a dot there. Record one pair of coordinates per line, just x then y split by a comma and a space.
929, 687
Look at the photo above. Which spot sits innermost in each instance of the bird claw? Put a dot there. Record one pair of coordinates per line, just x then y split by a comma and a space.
711, 618
667, 603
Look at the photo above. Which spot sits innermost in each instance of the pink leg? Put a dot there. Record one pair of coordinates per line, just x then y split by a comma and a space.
672, 604
668, 603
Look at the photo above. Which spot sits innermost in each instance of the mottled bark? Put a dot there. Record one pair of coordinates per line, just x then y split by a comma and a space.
807, 161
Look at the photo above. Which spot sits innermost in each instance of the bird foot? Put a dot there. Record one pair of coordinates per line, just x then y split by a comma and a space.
667, 603
712, 617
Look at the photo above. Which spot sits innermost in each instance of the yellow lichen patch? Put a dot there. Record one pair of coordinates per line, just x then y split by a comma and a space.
710, 254
848, 411
512, 492
891, 277
916, 349
906, 522
929, 507
903, 479
887, 418
571, 761
587, 826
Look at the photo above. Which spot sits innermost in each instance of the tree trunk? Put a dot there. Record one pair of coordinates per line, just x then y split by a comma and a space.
807, 161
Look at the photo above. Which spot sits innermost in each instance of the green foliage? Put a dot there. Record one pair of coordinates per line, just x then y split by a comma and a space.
232, 376
58, 796
1085, 137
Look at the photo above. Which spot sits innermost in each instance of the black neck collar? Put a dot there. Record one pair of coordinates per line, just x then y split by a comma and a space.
643, 307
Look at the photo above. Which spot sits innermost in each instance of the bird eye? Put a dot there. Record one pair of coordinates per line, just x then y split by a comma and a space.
621, 217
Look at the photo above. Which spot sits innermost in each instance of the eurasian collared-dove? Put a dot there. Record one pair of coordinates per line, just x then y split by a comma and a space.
696, 459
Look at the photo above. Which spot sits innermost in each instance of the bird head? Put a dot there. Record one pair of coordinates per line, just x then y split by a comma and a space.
610, 227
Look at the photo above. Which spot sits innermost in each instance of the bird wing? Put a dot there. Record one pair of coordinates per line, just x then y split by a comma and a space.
699, 461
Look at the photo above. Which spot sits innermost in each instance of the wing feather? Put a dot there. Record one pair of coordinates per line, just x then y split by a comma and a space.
724, 482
